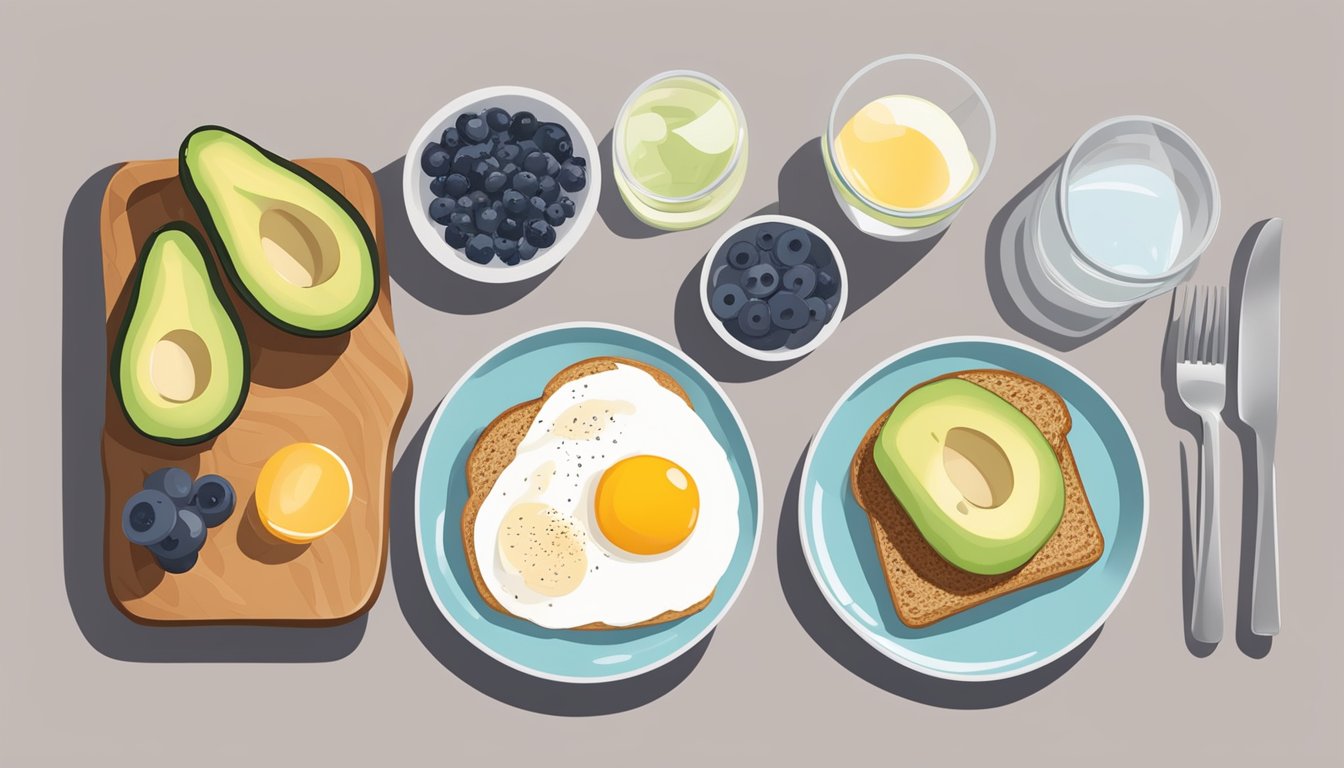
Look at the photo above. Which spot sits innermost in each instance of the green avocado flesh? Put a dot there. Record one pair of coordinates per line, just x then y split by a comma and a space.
976, 476
180, 364
295, 249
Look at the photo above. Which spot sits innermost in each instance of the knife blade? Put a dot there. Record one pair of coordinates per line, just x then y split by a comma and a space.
1258, 408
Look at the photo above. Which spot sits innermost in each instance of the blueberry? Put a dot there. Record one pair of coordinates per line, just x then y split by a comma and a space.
765, 239
539, 233
579, 161
771, 340
508, 153
186, 538
552, 165
535, 163
481, 248
213, 499
465, 204
498, 119
760, 281
148, 517
792, 247
463, 220
536, 208
743, 254
548, 190
483, 151
727, 301
474, 129
435, 160
818, 309
568, 205
510, 170
528, 146
461, 123
487, 220
801, 279
827, 284
514, 201
754, 319
573, 176
455, 236
171, 480
523, 125
506, 248
526, 182
463, 163
510, 226
440, 208
451, 139
555, 139
526, 250
495, 181
479, 199
789, 311
498, 207
178, 565
439, 187
555, 214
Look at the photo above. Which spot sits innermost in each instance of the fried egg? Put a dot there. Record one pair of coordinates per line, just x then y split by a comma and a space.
618, 506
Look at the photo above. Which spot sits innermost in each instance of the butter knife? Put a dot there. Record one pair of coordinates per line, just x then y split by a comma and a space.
1258, 408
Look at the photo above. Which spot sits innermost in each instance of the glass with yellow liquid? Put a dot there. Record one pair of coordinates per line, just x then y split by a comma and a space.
910, 137
680, 150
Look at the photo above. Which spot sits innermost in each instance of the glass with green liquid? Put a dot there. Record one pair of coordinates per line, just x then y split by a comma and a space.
680, 150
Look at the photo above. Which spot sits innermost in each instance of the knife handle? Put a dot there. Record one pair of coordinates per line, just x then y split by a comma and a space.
1206, 613
1265, 576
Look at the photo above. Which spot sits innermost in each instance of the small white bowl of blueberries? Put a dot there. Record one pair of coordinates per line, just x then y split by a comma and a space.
774, 287
501, 182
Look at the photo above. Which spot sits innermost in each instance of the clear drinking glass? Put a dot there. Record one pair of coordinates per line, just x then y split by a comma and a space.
922, 93
680, 150
1124, 218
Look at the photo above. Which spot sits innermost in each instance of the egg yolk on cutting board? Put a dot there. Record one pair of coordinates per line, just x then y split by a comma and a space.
303, 492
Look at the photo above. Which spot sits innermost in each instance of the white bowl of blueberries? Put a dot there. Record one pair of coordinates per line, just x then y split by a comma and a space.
501, 182
774, 287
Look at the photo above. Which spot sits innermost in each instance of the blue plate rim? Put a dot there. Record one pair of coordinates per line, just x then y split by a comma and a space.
419, 513
877, 642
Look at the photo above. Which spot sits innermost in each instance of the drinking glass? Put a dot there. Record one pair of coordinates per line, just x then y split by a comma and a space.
667, 94
933, 80
1123, 218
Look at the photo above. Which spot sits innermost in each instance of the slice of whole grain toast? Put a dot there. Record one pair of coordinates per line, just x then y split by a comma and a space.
498, 444
924, 587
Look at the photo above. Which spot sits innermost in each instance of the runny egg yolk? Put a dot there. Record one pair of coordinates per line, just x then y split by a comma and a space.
303, 492
646, 505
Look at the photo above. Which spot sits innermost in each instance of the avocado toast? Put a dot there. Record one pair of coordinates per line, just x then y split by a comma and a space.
495, 450
925, 587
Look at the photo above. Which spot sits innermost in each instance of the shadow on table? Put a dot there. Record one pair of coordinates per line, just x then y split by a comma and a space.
872, 266
1251, 644
841, 643
479, 670
421, 275
1015, 286
83, 392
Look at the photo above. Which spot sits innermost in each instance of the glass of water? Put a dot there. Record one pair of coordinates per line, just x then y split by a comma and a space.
1124, 218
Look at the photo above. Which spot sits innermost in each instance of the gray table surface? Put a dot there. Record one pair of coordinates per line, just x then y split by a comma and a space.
1257, 85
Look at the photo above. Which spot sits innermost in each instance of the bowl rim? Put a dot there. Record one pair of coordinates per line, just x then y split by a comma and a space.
783, 354
455, 260
718, 391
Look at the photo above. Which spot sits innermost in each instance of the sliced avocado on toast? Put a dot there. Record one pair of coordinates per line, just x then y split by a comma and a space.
179, 363
294, 248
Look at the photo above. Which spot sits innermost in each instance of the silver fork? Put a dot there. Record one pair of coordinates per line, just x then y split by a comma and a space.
1199, 316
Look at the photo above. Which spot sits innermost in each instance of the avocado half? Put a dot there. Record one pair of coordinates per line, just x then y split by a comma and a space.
179, 363
294, 248
978, 478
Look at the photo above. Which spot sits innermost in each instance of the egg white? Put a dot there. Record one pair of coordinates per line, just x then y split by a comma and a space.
583, 429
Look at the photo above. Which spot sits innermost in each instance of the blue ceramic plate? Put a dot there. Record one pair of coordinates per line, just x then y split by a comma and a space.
513, 373
1018, 632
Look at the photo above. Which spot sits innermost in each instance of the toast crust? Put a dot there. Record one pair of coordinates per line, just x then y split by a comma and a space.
496, 448
924, 587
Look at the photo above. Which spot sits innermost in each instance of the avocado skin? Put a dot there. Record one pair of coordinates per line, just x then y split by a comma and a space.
226, 260
134, 299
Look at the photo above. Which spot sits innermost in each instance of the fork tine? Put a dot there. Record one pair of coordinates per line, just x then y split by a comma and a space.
1187, 326
1198, 317
1210, 324
1219, 325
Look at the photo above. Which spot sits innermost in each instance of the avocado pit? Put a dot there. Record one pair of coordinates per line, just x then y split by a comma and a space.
977, 467
299, 247
179, 366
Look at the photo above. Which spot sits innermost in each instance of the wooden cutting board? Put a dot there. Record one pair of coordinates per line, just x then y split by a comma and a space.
348, 392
